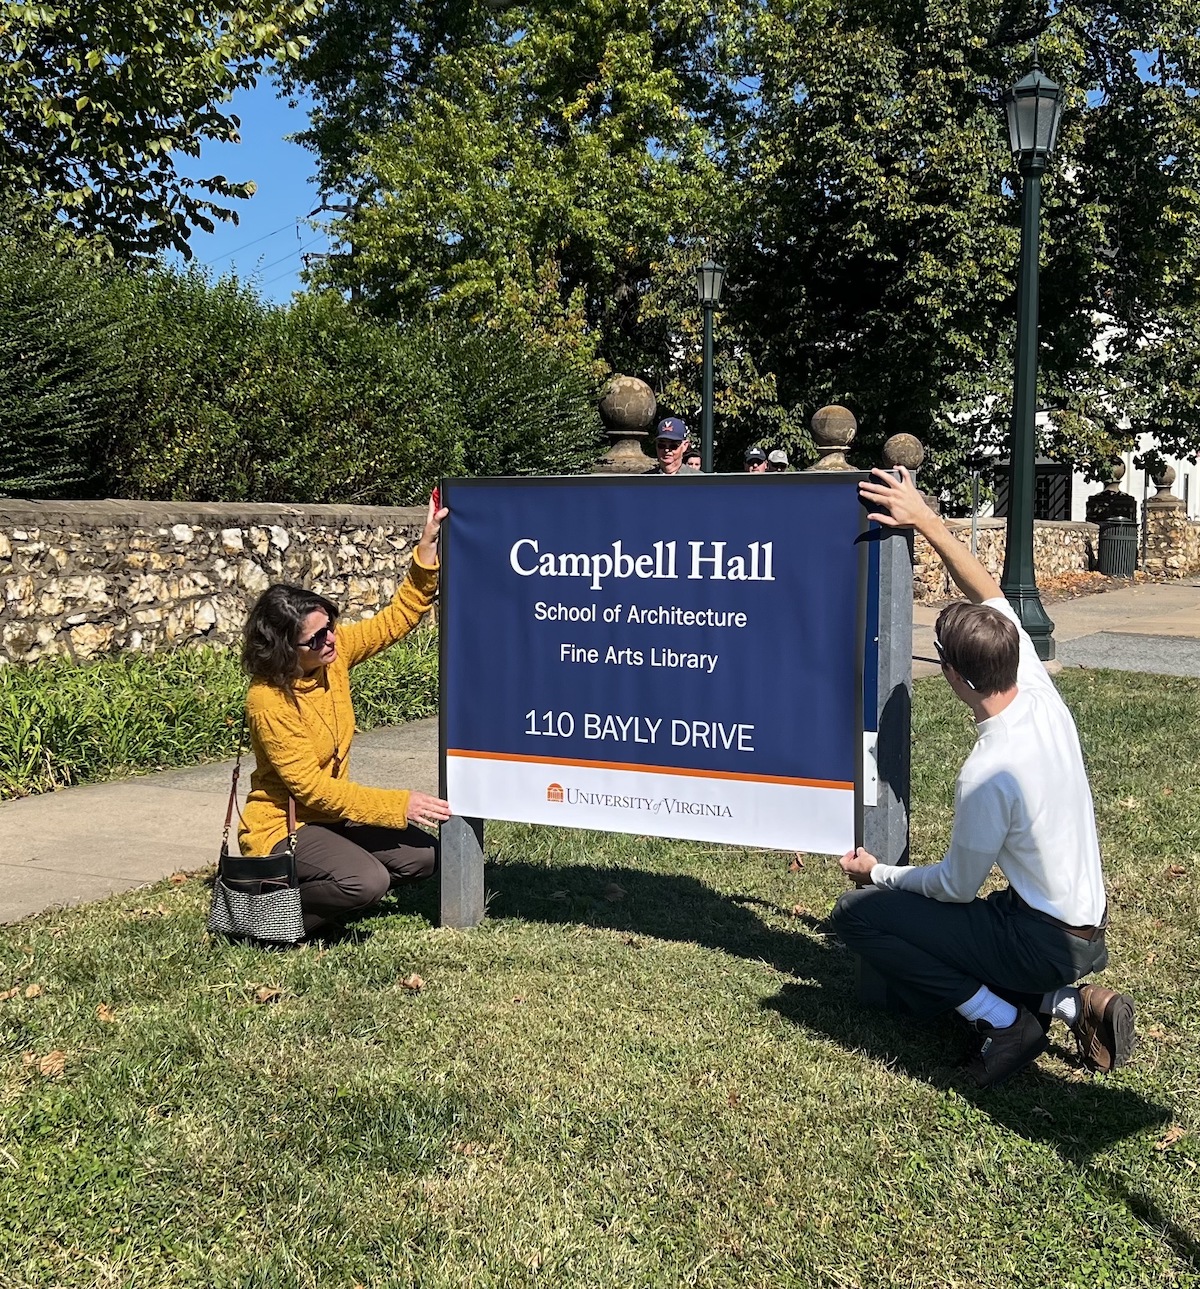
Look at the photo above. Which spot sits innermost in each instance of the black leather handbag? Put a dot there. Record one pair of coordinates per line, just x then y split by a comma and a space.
256, 898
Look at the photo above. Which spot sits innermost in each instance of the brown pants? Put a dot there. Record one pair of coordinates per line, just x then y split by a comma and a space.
344, 868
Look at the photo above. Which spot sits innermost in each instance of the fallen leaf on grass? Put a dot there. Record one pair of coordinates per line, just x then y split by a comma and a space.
797, 864
614, 892
267, 994
798, 910
734, 1099
1177, 870
1172, 1136
106, 1014
1149, 959
9, 993
471, 1149
33, 991
413, 982
177, 879
1130, 803
50, 1066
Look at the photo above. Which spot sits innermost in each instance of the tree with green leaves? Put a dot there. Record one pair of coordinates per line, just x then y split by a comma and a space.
552, 166
564, 167
882, 262
98, 99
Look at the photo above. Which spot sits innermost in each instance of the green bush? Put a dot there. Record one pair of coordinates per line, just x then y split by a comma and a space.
166, 385
317, 403
63, 724
67, 379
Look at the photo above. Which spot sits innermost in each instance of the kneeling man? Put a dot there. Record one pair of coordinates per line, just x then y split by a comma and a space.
1008, 964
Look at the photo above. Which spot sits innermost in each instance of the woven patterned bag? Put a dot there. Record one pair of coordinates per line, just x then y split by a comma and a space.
256, 898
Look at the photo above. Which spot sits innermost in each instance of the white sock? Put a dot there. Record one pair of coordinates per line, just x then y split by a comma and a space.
987, 1006
1063, 1004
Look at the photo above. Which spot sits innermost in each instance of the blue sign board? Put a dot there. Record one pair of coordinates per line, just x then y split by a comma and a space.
674, 657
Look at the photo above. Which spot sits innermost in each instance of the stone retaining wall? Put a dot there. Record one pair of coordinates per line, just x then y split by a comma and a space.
97, 577
1058, 547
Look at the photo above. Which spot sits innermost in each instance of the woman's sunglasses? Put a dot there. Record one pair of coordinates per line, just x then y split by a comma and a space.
317, 640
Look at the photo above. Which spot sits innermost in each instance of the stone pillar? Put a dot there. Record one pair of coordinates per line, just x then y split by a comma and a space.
1166, 529
627, 409
1111, 503
833, 430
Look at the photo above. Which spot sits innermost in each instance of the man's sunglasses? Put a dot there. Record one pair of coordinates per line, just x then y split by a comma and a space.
940, 661
668, 444
317, 640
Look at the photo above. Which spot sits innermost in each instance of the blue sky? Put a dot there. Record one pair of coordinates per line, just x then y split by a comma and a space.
267, 243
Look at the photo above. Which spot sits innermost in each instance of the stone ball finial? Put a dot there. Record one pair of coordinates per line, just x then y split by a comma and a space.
1115, 472
904, 449
1164, 478
627, 406
833, 430
627, 409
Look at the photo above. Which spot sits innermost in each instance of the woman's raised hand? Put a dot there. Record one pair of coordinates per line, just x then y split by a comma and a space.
427, 547
426, 811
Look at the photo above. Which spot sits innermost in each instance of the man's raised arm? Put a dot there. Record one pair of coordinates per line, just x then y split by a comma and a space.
898, 504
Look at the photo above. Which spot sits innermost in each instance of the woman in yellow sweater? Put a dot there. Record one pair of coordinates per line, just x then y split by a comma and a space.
353, 842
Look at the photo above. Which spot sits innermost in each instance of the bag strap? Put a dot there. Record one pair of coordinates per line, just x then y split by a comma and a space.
237, 770
232, 806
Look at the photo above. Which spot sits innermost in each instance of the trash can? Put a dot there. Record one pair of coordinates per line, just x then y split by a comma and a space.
1117, 556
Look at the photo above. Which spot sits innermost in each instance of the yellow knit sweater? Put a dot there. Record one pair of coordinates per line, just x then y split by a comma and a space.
301, 740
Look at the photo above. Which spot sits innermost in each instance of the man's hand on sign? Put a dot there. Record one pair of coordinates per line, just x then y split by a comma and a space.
857, 865
897, 502
426, 811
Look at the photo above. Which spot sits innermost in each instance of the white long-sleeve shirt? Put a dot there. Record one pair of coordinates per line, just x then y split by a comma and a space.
1022, 802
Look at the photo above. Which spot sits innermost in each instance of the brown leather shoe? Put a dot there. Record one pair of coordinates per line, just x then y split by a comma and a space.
1104, 1030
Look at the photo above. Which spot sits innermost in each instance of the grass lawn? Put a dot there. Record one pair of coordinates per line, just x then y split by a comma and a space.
647, 1067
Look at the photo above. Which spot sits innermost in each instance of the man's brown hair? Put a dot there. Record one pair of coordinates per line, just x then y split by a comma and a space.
981, 645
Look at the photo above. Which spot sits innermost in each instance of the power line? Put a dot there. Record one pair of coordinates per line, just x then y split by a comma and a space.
303, 247
288, 272
246, 246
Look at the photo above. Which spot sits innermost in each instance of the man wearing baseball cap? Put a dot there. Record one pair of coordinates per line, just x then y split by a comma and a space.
756, 461
670, 443
777, 460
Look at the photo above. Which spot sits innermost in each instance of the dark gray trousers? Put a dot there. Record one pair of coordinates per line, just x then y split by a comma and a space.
934, 956
345, 868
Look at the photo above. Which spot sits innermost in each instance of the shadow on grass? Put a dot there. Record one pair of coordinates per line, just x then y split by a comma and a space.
1077, 1119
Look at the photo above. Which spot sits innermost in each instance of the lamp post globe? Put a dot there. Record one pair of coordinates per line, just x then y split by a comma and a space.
710, 278
1034, 110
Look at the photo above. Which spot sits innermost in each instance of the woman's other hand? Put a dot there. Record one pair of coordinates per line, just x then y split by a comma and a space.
427, 547
426, 811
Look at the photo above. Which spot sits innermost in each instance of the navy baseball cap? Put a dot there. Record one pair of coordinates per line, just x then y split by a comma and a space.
671, 427
755, 454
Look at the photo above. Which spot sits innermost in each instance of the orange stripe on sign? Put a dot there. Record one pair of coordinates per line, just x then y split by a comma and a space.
650, 769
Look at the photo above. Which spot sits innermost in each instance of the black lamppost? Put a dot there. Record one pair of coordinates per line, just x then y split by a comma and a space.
1034, 107
710, 278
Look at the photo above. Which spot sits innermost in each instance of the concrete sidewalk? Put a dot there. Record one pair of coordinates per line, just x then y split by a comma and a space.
1152, 628
85, 843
